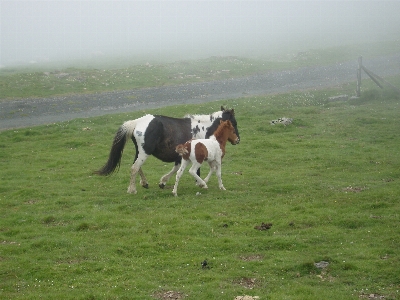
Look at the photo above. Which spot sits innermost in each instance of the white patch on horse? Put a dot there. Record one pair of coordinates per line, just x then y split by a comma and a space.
140, 128
205, 120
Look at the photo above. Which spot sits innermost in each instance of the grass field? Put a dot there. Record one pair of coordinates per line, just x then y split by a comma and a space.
328, 183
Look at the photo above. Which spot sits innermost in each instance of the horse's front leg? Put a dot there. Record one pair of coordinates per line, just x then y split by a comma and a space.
136, 167
166, 177
218, 171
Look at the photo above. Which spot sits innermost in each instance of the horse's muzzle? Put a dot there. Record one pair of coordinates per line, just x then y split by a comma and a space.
235, 142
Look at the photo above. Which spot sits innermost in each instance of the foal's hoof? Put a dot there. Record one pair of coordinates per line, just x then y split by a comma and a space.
132, 191
161, 185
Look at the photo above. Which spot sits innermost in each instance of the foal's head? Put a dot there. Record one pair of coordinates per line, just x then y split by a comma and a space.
229, 114
227, 132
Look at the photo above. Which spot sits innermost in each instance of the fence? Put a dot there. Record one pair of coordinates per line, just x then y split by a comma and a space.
377, 79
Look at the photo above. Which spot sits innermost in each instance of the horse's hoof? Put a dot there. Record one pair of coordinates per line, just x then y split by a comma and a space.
161, 185
131, 191
146, 186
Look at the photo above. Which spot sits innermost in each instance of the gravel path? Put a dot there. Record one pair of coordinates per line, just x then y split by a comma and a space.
30, 112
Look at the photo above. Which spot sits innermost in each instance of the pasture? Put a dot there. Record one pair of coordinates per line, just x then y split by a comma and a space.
328, 183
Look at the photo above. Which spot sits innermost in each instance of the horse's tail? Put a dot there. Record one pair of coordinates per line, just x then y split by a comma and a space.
117, 148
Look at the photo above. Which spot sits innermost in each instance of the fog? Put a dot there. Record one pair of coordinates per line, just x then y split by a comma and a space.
50, 31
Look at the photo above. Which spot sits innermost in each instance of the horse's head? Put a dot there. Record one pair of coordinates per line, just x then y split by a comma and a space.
228, 127
229, 114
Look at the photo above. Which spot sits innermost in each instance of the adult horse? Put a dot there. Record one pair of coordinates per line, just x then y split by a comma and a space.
158, 136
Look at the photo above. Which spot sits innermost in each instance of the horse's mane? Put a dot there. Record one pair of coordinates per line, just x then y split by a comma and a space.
221, 128
211, 130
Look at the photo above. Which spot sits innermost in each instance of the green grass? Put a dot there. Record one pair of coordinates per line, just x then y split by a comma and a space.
130, 73
328, 183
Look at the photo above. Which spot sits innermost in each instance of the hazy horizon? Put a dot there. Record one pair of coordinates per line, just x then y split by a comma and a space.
49, 31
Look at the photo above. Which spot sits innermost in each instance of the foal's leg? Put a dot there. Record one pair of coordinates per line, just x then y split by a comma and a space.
184, 163
218, 171
136, 167
193, 172
167, 176
213, 168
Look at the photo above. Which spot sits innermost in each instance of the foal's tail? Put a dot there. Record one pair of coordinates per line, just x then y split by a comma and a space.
117, 148
184, 149
181, 149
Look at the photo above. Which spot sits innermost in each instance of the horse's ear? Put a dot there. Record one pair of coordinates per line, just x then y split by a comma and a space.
233, 111
222, 108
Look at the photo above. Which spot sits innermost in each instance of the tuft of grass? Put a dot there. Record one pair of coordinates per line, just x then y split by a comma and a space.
328, 184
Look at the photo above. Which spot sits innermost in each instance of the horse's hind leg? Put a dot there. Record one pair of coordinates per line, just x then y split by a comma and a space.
143, 179
193, 172
166, 177
136, 167
178, 176
213, 168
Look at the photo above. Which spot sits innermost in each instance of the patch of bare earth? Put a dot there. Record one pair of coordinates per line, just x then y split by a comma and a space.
354, 189
246, 297
371, 296
248, 283
169, 295
254, 257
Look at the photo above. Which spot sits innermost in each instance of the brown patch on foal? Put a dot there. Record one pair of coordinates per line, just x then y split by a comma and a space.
201, 152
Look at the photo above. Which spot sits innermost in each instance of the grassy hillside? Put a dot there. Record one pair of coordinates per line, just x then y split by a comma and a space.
110, 75
328, 183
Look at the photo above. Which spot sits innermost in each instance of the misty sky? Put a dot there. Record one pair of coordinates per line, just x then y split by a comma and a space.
54, 30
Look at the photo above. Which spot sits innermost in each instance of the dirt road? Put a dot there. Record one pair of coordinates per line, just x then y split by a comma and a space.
30, 112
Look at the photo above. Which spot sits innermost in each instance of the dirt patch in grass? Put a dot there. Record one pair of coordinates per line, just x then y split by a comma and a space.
263, 226
169, 295
354, 189
246, 282
246, 297
371, 296
254, 257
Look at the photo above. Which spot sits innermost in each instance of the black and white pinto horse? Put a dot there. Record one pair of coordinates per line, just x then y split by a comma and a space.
158, 136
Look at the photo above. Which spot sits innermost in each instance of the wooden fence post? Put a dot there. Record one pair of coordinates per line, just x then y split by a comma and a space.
372, 75
359, 76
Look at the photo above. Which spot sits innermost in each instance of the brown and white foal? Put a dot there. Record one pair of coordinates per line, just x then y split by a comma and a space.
211, 150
